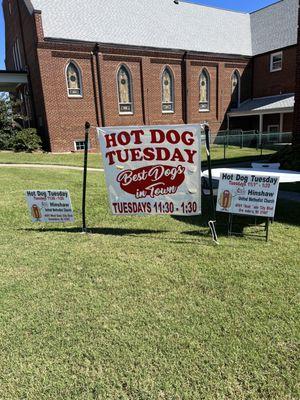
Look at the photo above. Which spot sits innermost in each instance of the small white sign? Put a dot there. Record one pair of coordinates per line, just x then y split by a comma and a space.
153, 169
248, 194
49, 205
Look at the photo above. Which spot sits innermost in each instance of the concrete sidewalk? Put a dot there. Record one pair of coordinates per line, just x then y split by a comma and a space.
282, 195
51, 166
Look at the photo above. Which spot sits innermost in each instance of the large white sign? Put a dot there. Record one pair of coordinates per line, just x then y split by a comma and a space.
248, 194
49, 205
153, 169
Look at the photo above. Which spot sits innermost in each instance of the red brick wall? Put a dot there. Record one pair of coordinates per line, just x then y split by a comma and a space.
196, 116
109, 70
274, 119
12, 30
63, 118
270, 119
252, 122
31, 24
288, 121
152, 72
296, 128
66, 116
266, 83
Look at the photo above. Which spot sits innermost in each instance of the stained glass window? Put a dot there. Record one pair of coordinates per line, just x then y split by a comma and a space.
74, 80
235, 89
204, 91
124, 90
167, 91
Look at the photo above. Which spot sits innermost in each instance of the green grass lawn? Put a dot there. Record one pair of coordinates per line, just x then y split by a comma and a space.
142, 308
70, 159
94, 160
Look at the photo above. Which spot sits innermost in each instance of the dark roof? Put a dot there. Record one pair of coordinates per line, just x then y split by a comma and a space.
264, 104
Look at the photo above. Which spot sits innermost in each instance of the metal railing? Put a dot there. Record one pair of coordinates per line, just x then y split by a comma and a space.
251, 140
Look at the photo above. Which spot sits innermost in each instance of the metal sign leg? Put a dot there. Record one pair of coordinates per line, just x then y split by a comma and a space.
211, 223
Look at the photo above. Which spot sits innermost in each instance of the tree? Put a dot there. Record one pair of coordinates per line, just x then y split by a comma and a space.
11, 120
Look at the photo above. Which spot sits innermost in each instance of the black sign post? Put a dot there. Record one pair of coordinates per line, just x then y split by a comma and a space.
211, 222
87, 128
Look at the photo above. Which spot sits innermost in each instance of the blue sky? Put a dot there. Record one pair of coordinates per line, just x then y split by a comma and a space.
239, 5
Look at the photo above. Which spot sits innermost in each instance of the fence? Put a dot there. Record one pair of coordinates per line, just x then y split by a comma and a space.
258, 141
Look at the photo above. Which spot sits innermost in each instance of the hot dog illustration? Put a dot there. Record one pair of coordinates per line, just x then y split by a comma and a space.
225, 199
36, 212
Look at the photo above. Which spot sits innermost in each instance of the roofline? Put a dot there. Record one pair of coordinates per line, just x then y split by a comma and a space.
275, 50
214, 8
30, 6
149, 48
252, 55
271, 97
263, 8
277, 110
5, 71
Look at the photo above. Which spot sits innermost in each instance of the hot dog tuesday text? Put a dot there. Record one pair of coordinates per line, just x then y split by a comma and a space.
150, 153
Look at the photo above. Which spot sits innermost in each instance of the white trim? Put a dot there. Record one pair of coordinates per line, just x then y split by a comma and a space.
81, 141
205, 71
130, 88
74, 96
273, 126
281, 122
273, 111
261, 123
167, 67
126, 112
272, 69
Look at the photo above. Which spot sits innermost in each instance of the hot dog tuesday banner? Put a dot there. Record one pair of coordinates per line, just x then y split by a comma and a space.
153, 169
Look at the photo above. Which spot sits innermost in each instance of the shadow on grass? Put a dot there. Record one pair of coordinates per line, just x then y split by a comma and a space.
100, 231
287, 212
120, 232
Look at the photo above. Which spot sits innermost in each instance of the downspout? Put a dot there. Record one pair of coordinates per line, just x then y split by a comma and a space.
143, 92
97, 51
252, 77
185, 90
95, 89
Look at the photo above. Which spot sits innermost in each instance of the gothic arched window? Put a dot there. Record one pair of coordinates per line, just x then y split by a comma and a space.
74, 82
124, 90
235, 89
167, 83
204, 91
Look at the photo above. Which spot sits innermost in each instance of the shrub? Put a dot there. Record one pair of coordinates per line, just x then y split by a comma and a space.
6, 139
26, 140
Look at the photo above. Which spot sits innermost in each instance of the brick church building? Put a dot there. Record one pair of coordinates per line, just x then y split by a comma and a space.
133, 62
